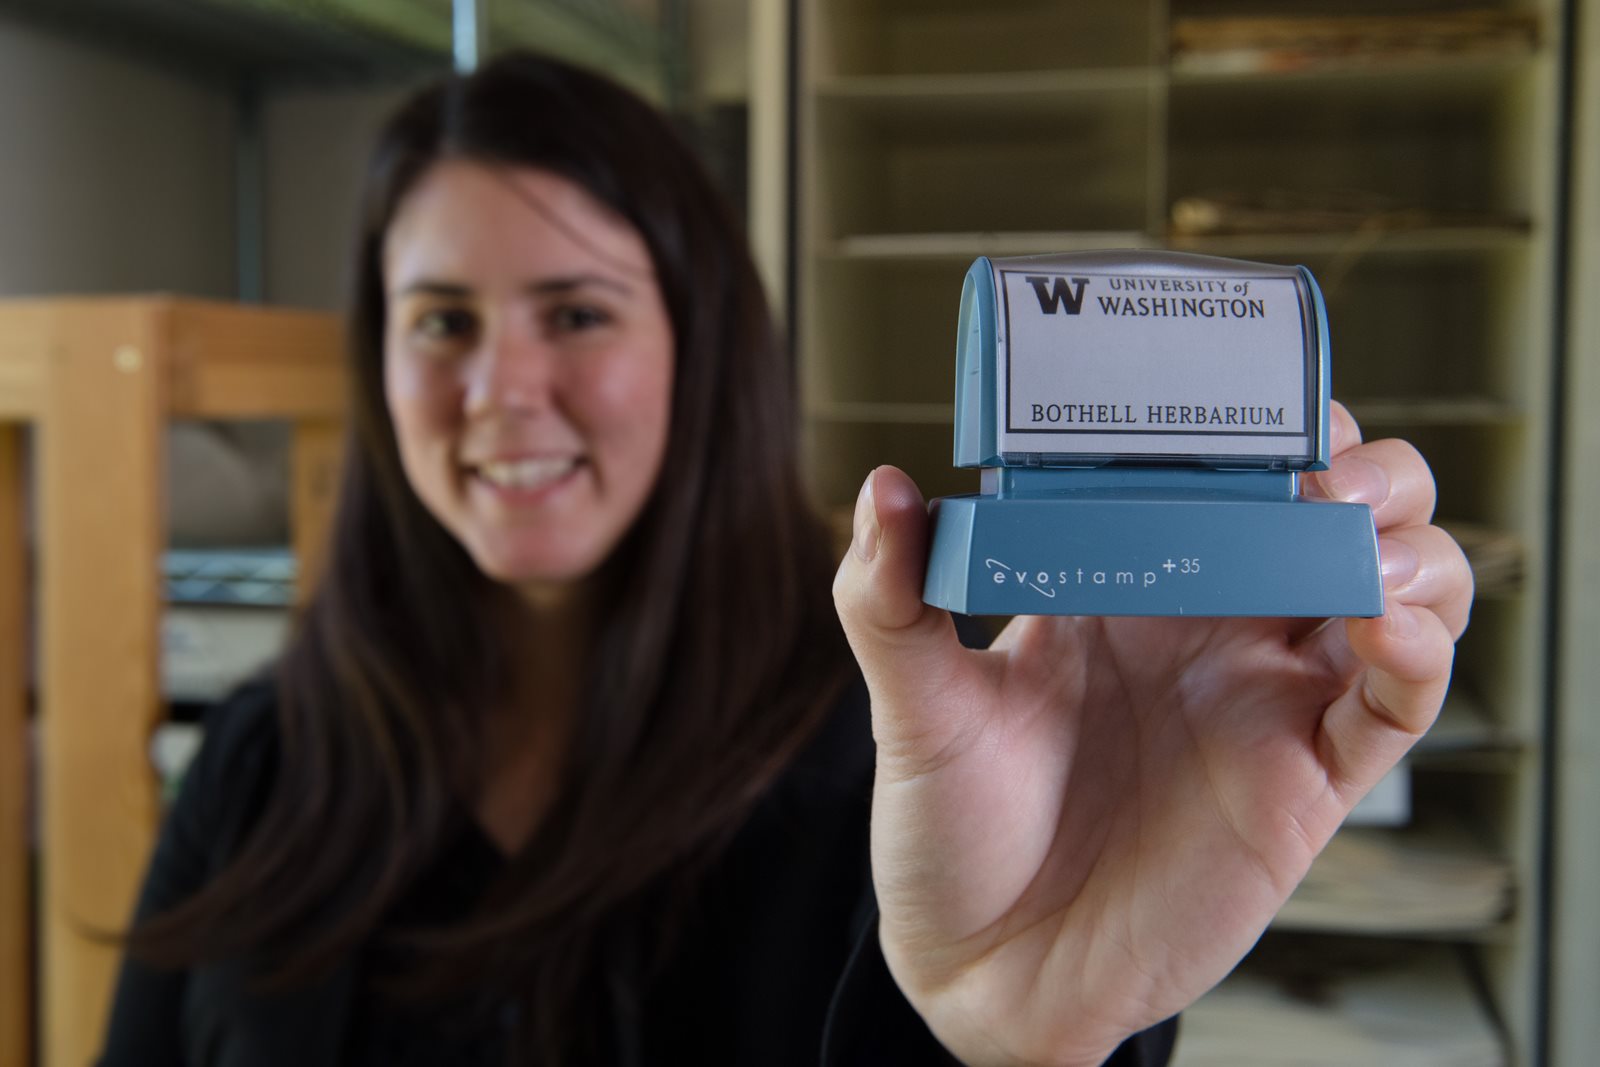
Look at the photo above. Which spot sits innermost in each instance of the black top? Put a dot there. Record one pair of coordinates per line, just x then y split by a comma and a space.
778, 965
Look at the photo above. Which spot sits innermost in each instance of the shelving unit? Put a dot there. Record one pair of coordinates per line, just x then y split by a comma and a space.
933, 131
93, 382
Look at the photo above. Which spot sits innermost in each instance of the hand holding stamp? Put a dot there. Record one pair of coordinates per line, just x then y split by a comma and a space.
1077, 831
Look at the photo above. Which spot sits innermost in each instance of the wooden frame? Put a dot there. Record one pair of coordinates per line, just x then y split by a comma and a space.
769, 161
97, 380
15, 874
1575, 937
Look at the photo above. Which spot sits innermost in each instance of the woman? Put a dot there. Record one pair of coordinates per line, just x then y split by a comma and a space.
566, 763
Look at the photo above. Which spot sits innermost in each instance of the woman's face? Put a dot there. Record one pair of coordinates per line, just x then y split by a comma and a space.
528, 362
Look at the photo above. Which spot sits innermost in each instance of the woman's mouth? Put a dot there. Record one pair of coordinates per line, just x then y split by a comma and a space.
526, 474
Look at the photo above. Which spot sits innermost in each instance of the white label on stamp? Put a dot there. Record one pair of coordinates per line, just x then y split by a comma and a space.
1098, 363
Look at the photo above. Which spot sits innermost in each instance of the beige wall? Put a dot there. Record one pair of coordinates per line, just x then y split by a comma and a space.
115, 176
316, 144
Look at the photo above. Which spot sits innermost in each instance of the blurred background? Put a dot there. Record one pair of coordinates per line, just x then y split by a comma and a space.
177, 190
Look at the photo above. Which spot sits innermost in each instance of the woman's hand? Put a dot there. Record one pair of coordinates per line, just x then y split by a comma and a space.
1080, 830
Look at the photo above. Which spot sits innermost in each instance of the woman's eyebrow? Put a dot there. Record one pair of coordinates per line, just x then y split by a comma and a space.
433, 288
577, 281
543, 287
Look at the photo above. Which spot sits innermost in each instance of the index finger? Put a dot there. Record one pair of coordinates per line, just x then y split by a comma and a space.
1344, 433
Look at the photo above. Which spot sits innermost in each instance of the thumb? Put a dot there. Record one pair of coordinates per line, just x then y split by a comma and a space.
908, 650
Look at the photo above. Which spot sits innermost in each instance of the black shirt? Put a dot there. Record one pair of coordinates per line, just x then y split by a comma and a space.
778, 964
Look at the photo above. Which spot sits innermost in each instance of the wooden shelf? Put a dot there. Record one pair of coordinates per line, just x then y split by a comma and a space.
1433, 411
1498, 557
1403, 883
1305, 1001
910, 414
216, 360
1442, 73
1301, 43
1376, 241
987, 92
1466, 740
968, 246
1465, 726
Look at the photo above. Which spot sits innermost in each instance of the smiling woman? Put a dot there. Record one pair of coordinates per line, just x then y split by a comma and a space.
501, 798
528, 368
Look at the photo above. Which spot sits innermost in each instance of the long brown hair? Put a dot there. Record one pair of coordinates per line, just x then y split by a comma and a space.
715, 655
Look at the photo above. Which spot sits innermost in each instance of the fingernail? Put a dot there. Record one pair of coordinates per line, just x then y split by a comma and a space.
1402, 621
1360, 481
867, 531
1399, 562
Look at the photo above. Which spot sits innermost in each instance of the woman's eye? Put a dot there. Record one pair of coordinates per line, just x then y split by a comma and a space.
445, 324
578, 317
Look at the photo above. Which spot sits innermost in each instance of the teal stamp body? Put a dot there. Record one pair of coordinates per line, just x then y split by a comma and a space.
1140, 421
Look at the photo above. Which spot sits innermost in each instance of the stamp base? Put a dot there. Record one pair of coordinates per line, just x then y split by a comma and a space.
1152, 554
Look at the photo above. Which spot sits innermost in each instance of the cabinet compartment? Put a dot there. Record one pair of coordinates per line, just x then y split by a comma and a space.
889, 332
1053, 161
1436, 141
959, 36
1425, 327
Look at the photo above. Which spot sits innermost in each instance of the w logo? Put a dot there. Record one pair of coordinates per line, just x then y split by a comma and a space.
1054, 296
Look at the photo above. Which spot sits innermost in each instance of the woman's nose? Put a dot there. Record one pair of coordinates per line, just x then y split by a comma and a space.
513, 370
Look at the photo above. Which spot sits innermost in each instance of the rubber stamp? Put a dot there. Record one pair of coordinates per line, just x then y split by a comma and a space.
1140, 421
